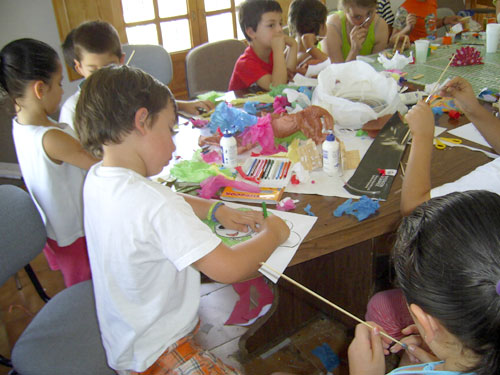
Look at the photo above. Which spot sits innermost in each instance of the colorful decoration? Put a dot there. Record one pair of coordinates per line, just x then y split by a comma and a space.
467, 56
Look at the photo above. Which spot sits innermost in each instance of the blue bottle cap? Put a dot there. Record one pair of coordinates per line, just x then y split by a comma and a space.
330, 137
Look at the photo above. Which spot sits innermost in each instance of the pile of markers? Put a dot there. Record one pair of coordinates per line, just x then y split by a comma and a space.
276, 171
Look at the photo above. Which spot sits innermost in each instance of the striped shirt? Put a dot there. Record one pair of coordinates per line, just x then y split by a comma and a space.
384, 10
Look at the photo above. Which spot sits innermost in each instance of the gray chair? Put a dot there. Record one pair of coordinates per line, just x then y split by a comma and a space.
153, 59
209, 66
64, 337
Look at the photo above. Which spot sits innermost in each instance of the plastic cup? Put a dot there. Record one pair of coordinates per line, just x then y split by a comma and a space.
421, 48
492, 35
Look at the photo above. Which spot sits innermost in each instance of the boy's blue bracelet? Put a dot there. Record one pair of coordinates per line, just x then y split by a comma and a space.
213, 209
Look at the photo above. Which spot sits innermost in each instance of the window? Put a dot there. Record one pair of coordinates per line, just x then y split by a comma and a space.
178, 25
182, 24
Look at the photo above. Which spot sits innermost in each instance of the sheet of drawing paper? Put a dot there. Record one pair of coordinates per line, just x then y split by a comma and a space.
299, 225
320, 183
469, 132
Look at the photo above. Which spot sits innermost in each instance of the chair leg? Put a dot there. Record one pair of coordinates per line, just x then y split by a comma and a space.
5, 361
36, 283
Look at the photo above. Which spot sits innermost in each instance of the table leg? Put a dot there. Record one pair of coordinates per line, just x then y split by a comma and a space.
344, 277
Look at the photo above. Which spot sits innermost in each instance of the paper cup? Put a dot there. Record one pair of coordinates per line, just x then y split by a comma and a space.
492, 35
421, 49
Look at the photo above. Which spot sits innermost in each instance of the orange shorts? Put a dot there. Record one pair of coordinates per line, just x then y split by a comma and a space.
185, 357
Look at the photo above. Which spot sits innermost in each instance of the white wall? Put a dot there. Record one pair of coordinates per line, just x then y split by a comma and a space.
32, 19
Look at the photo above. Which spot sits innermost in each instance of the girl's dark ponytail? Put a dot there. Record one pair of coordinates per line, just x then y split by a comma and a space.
23, 61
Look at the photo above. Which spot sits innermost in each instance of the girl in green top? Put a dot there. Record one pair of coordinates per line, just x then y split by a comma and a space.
355, 30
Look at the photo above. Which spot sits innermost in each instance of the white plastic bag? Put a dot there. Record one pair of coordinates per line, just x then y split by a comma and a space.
355, 93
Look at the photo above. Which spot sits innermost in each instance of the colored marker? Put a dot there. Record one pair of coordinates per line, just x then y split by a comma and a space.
264, 209
268, 172
251, 167
263, 168
276, 170
282, 175
268, 163
287, 168
279, 170
256, 172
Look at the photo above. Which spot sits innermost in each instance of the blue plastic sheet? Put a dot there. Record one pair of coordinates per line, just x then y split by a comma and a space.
230, 120
361, 209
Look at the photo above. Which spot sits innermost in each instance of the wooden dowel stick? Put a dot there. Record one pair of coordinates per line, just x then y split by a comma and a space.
130, 58
331, 303
439, 79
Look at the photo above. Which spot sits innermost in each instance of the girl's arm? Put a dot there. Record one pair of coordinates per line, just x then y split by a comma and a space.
332, 44
381, 34
417, 182
487, 124
62, 147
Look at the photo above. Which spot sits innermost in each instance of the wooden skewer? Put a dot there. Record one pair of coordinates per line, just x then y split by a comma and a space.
331, 304
130, 58
402, 168
439, 79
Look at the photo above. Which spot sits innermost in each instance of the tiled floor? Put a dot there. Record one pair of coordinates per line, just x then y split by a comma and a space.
17, 307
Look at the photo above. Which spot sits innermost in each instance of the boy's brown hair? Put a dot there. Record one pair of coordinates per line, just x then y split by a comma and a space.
96, 37
109, 99
251, 12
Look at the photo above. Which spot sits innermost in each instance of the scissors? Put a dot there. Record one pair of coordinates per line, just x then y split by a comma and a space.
441, 146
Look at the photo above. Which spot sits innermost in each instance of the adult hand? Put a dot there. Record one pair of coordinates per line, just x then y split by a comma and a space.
451, 20
366, 356
411, 20
358, 35
239, 220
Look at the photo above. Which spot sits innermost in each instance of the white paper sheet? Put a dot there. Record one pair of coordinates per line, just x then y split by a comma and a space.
299, 225
470, 132
314, 70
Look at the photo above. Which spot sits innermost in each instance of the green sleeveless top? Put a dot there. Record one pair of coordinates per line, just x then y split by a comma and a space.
366, 48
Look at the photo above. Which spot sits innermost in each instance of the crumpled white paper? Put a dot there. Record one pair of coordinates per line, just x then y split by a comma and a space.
398, 61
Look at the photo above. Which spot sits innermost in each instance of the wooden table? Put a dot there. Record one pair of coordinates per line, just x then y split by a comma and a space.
337, 257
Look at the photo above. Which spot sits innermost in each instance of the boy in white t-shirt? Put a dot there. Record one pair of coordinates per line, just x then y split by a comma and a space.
146, 243
93, 45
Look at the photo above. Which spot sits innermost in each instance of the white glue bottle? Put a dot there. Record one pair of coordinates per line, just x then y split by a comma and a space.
229, 151
331, 160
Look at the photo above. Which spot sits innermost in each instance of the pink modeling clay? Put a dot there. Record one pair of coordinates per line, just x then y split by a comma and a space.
211, 185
